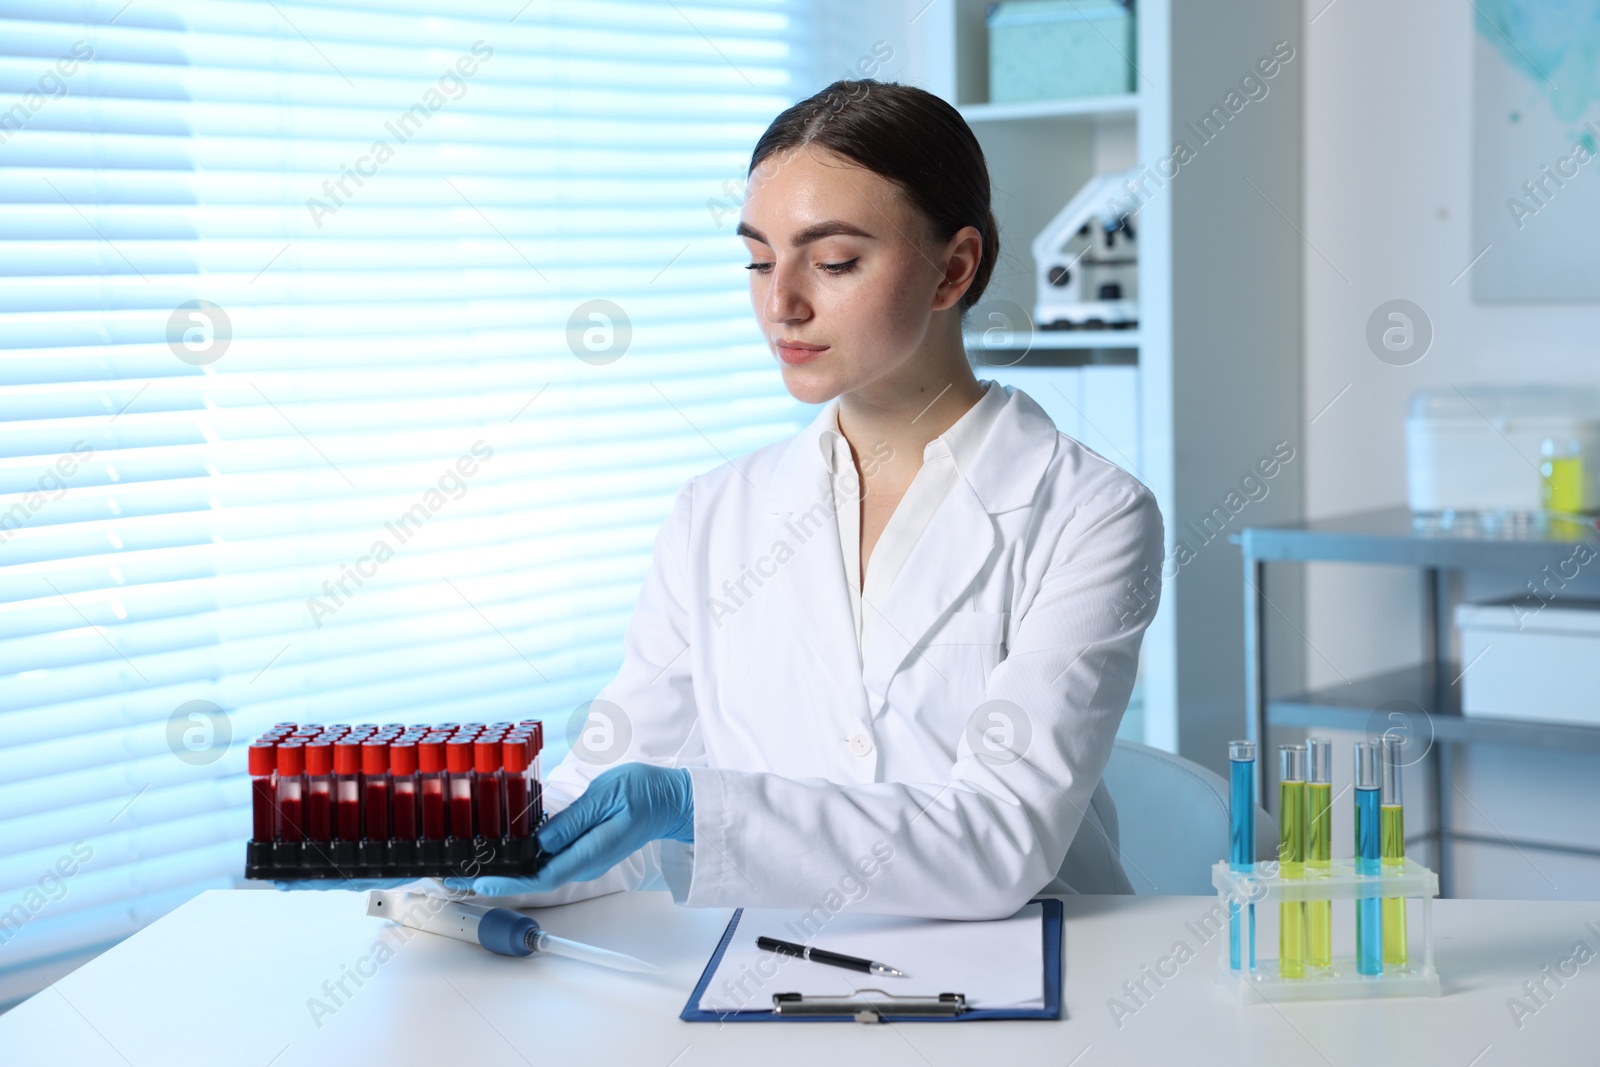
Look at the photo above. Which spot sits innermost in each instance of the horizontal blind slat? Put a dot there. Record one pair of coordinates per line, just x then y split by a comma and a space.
175, 530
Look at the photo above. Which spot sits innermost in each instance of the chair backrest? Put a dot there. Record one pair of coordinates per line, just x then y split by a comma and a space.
1172, 815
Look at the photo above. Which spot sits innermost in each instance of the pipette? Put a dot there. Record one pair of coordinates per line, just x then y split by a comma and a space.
500, 930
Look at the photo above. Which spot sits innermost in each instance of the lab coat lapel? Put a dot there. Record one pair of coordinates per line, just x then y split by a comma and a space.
950, 554
960, 540
811, 600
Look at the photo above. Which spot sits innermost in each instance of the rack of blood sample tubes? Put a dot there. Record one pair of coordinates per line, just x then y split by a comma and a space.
1373, 888
395, 801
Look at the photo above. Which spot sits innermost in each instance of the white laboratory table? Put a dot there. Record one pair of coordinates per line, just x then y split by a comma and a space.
229, 979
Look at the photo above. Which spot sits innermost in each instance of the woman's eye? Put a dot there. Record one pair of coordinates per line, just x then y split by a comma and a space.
831, 268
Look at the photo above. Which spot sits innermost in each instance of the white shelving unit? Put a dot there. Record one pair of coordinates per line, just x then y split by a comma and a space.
1211, 377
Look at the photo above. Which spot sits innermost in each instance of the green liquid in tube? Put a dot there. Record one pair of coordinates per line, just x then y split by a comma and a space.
1392, 846
1319, 853
1291, 864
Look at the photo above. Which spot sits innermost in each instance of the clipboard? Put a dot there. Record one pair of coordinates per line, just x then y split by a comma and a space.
945, 1006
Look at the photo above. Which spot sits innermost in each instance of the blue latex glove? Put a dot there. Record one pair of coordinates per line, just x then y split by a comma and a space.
624, 809
360, 885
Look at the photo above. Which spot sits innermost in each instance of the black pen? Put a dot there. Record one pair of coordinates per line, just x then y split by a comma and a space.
832, 959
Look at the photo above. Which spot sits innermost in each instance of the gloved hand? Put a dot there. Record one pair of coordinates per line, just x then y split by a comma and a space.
359, 885
624, 809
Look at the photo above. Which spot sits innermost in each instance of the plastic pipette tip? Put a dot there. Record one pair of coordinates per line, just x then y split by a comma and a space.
577, 950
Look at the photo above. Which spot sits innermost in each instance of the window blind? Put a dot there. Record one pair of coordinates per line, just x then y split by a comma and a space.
351, 353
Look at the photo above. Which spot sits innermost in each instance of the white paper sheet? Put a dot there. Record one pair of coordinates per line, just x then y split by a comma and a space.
998, 964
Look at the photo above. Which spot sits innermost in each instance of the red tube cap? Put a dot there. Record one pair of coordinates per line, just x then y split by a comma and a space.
518, 754
263, 758
403, 758
458, 755
291, 758
430, 755
375, 757
486, 756
319, 758
347, 757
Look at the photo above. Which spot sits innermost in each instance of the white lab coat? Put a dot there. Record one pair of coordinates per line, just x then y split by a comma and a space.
820, 781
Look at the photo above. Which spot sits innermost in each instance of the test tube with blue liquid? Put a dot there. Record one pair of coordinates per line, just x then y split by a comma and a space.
1241, 845
1369, 923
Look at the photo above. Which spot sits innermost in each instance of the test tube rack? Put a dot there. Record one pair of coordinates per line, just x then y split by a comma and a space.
351, 801
1264, 888
517, 857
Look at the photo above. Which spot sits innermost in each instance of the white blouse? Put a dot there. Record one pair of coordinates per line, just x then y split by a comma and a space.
943, 460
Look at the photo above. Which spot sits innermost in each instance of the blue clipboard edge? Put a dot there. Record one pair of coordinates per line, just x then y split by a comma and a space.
1051, 931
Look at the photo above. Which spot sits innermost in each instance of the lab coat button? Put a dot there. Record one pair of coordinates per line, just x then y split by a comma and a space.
860, 744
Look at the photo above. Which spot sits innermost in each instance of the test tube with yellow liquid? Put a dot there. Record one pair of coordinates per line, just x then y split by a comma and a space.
1392, 849
1319, 849
1563, 475
1292, 833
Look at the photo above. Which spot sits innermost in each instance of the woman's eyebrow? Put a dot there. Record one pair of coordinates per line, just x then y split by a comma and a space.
832, 228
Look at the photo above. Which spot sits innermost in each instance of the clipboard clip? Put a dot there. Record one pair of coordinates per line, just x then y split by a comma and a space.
945, 1005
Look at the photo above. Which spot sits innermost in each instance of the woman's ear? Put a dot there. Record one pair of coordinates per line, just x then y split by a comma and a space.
959, 260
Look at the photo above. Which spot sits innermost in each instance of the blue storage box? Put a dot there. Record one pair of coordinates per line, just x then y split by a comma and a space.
1058, 49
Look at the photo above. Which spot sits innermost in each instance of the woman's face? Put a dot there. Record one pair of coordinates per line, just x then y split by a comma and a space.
844, 277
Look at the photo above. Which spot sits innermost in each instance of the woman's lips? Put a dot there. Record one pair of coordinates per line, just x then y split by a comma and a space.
795, 353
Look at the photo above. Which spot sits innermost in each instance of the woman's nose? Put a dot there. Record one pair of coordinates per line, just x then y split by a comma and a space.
786, 298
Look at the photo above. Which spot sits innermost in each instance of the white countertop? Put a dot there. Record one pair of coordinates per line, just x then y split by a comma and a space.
230, 977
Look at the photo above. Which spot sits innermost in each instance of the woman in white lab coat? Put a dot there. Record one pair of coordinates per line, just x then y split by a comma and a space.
879, 664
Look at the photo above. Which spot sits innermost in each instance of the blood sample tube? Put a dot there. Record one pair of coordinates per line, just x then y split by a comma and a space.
430, 760
284, 725
458, 759
347, 789
403, 777
538, 772
517, 754
375, 790
319, 791
447, 727
263, 797
486, 757
291, 791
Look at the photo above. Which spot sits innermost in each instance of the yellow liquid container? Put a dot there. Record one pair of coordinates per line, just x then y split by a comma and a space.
1292, 858
1563, 484
1392, 849
1319, 913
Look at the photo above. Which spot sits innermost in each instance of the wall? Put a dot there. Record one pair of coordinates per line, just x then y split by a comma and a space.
1236, 386
1387, 145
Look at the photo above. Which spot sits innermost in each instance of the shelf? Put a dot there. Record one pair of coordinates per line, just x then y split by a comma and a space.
1123, 105
1394, 535
1364, 705
1058, 340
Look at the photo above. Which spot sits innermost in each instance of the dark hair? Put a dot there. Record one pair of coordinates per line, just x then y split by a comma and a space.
909, 136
